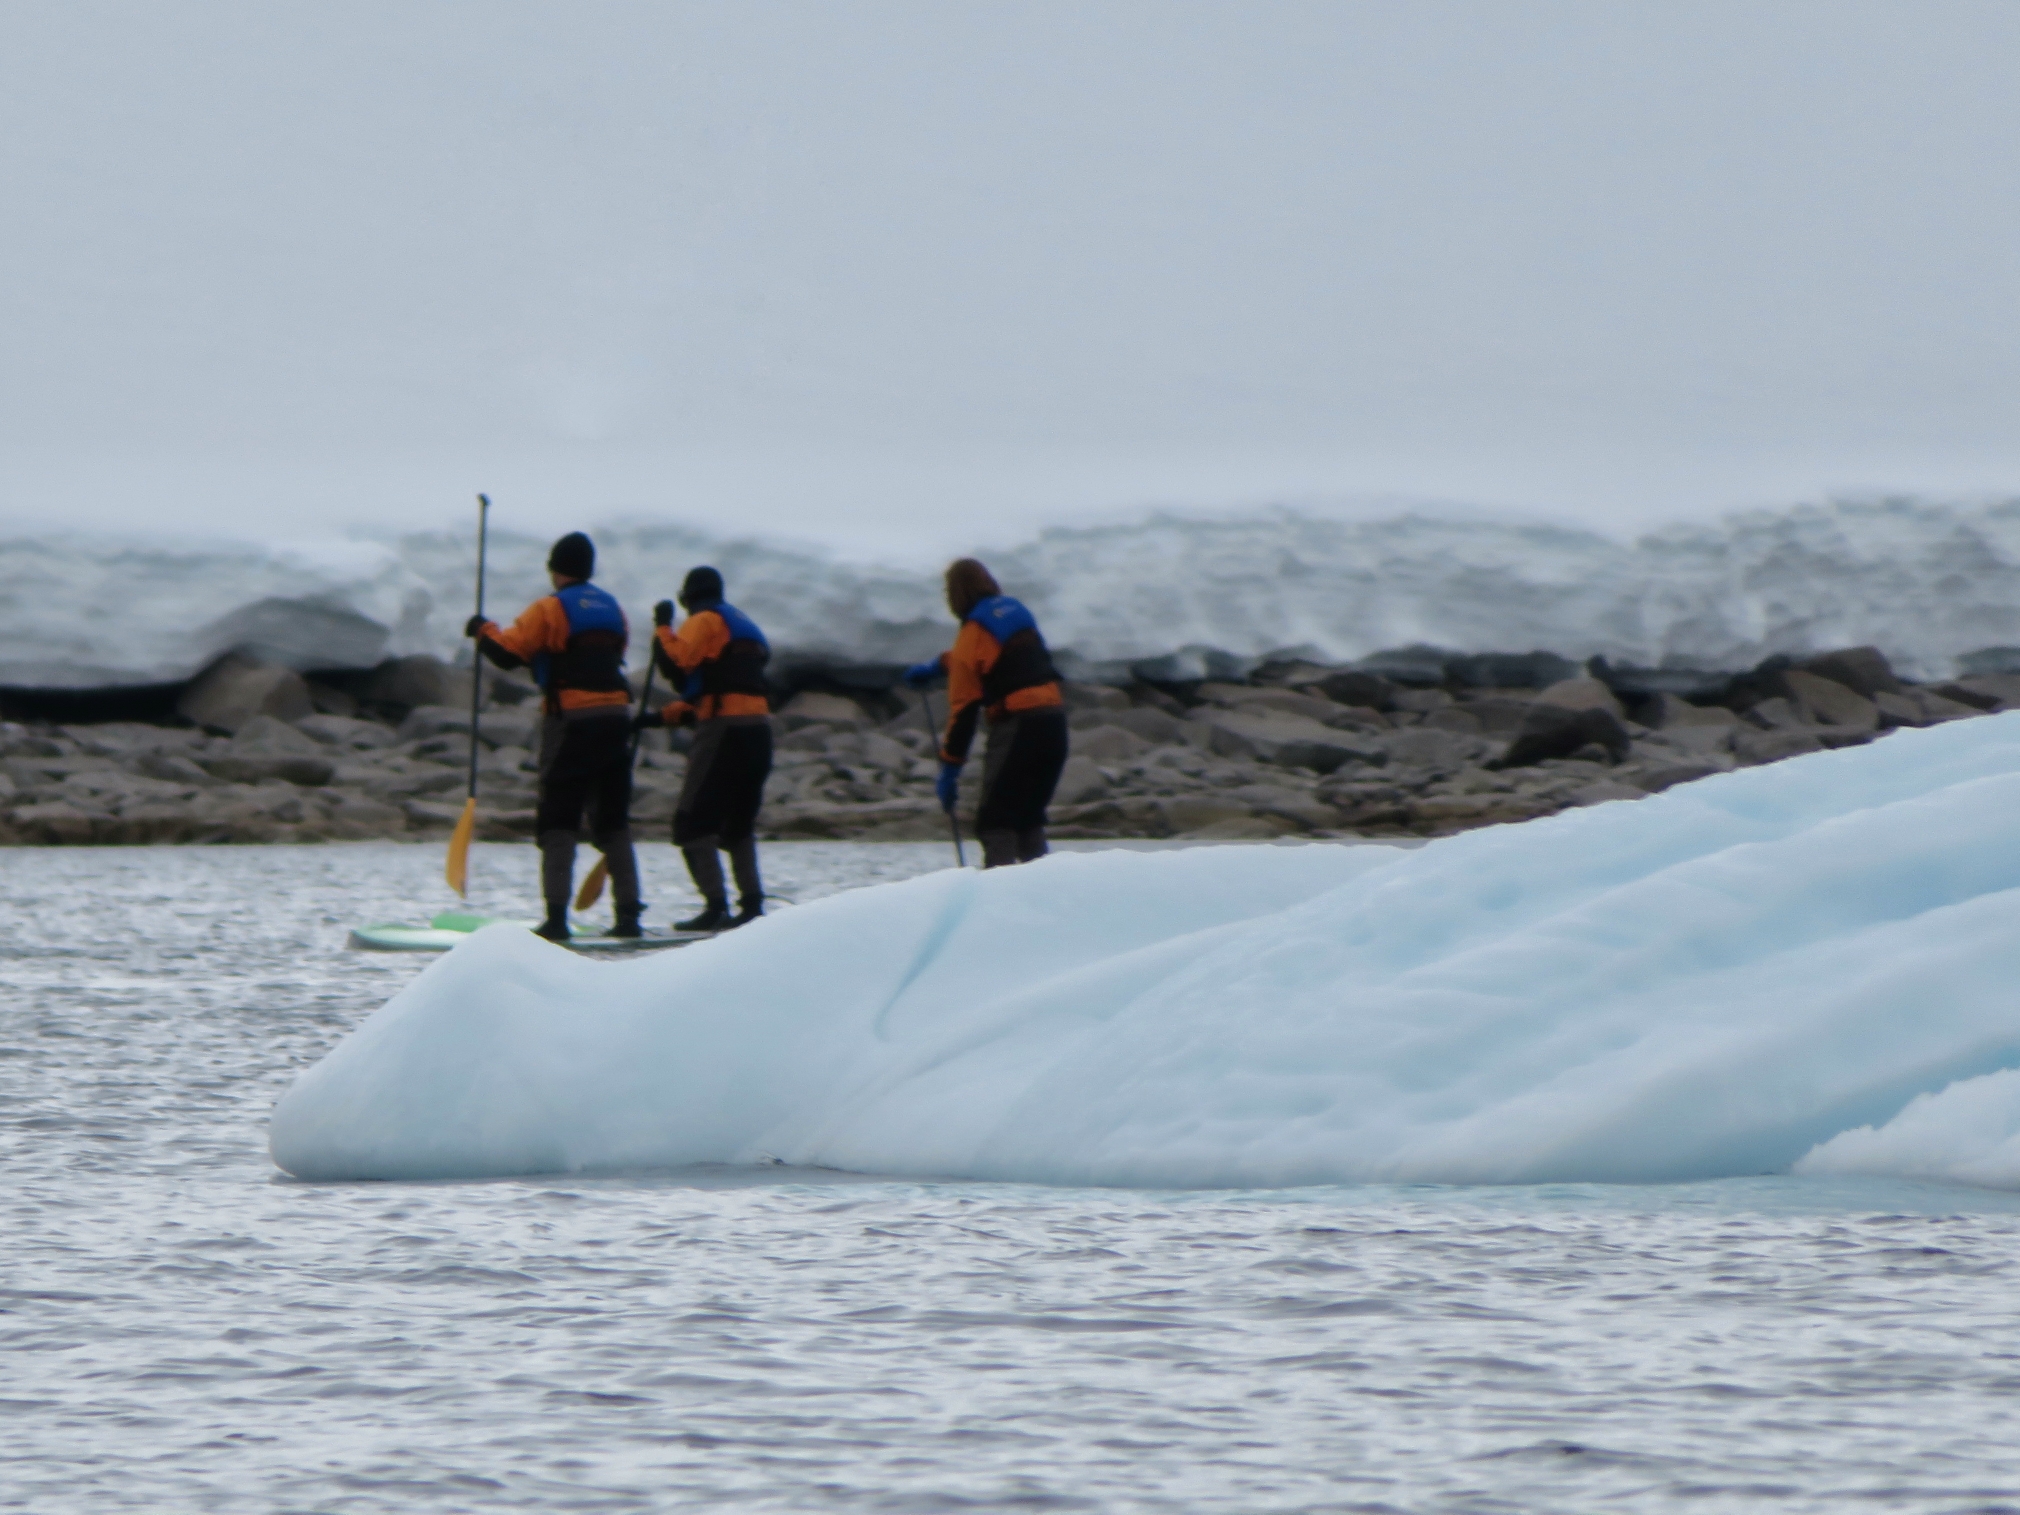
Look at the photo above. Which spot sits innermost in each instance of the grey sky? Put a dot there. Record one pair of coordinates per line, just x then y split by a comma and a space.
867, 270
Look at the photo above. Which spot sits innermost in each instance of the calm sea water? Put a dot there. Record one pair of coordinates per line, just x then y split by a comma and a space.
182, 1328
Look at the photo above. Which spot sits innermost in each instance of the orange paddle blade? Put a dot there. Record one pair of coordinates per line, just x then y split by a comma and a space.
457, 869
592, 887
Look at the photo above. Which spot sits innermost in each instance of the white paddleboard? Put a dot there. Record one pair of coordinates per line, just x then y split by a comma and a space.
453, 926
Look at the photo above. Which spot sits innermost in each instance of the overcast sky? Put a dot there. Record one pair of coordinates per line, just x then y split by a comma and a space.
891, 274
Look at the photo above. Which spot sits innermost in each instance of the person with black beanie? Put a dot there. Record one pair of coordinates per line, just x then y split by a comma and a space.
717, 662
575, 640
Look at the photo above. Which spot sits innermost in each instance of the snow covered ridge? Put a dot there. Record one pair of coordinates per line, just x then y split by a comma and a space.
1927, 581
1806, 965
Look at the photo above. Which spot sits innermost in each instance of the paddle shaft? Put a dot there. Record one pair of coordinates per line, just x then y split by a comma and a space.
476, 647
933, 731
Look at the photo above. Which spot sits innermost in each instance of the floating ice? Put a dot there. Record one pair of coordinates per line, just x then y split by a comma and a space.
1710, 982
1968, 1133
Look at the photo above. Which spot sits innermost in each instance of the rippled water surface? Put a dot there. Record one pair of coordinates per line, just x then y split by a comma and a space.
181, 1328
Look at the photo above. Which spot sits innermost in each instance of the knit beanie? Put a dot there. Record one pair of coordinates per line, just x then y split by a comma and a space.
703, 586
573, 557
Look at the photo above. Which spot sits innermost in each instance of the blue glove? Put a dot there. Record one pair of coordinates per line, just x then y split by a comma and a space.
919, 675
948, 786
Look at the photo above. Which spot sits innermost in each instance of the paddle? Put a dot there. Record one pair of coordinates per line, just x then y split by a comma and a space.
457, 867
933, 731
592, 887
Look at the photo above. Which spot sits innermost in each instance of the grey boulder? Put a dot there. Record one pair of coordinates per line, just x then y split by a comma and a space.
235, 689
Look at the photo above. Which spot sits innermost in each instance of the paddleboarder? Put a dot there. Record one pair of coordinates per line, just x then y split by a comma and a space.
716, 660
999, 667
575, 640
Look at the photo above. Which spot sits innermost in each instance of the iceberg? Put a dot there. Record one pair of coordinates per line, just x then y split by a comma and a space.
1811, 965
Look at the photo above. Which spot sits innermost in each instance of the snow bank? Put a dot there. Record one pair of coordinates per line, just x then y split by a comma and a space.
1710, 982
1926, 580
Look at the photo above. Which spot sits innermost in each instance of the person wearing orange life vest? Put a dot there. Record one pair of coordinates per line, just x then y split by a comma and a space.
575, 639
717, 661
999, 669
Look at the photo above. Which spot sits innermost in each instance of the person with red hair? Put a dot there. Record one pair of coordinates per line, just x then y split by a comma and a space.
1000, 670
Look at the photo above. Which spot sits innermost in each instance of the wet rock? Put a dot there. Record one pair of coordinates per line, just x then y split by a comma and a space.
1355, 687
1092, 697
1288, 701
1453, 718
173, 767
1300, 809
235, 689
360, 816
1751, 746
1421, 747
1778, 713
1246, 828
1420, 701
1188, 813
55, 823
497, 728
402, 684
814, 705
1080, 782
1825, 702
1555, 729
305, 769
2002, 689
1291, 672
235, 805
432, 815
265, 736
1293, 741
346, 731
329, 700
152, 824
1443, 814
1155, 726
1604, 792
1668, 713
1494, 715
1919, 707
1508, 670
1109, 744
1582, 694
882, 751
815, 737
1863, 670
1656, 777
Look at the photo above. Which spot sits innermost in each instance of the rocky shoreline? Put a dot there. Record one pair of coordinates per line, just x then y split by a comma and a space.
1286, 748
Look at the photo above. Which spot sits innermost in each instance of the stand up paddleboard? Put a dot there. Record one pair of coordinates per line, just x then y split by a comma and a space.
453, 926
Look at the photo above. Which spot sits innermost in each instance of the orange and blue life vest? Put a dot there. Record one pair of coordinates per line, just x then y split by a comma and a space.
593, 657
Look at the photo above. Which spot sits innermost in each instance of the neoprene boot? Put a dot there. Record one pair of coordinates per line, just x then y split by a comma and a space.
999, 849
557, 882
623, 864
715, 916
750, 889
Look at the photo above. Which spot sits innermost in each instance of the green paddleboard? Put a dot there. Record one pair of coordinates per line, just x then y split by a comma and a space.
453, 926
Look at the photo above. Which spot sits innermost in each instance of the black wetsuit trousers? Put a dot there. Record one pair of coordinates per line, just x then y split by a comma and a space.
725, 785
585, 775
1027, 749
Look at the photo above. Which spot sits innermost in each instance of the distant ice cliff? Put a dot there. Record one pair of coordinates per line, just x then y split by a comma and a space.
1925, 580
